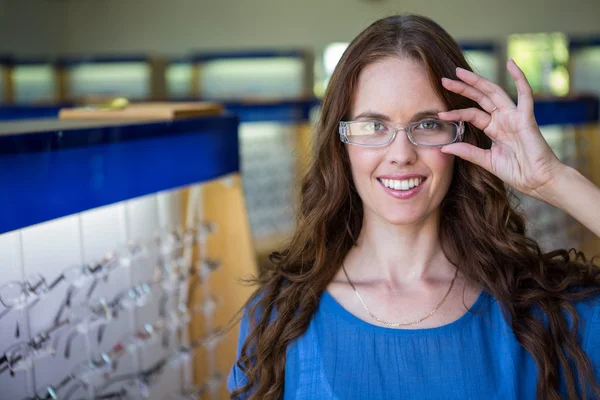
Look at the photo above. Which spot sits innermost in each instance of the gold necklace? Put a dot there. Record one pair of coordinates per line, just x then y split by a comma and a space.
396, 325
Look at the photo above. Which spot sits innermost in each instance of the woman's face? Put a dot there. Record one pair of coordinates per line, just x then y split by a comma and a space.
398, 90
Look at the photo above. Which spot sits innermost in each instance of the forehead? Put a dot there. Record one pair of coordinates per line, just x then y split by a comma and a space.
396, 87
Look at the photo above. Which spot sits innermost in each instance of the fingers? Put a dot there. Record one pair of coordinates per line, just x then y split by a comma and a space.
475, 116
470, 92
497, 95
525, 95
470, 153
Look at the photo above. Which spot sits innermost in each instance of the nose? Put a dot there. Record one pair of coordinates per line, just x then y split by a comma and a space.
401, 151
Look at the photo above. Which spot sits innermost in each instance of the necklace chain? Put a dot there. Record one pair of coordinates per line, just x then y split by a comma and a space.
396, 325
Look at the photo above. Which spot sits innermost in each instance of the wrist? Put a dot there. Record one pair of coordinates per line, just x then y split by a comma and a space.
555, 191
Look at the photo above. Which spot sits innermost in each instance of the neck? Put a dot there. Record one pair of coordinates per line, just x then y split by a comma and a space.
400, 256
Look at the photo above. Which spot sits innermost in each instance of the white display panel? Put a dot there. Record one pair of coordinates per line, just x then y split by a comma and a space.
94, 303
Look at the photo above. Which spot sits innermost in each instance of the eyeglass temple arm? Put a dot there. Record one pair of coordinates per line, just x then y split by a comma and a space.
65, 303
93, 287
3, 361
56, 281
146, 375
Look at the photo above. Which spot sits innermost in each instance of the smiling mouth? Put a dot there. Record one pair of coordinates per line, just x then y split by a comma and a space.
404, 184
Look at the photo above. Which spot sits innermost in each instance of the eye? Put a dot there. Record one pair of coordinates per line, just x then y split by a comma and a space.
373, 127
430, 124
378, 126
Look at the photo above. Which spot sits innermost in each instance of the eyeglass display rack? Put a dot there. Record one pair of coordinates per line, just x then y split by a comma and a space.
275, 142
272, 93
133, 76
576, 145
275, 139
120, 244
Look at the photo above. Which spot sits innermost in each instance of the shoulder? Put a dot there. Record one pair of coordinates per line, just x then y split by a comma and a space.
254, 311
251, 315
588, 311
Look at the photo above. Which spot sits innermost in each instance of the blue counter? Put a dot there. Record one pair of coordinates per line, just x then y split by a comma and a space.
566, 111
287, 111
51, 168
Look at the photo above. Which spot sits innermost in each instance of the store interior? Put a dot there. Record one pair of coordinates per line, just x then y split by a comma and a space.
151, 155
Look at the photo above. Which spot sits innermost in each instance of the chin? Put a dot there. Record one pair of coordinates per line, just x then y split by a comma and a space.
404, 218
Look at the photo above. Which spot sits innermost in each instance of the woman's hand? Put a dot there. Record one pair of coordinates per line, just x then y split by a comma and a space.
519, 154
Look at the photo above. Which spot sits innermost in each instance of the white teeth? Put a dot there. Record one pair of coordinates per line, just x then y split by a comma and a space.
403, 184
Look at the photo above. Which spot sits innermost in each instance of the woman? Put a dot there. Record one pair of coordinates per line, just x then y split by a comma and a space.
410, 275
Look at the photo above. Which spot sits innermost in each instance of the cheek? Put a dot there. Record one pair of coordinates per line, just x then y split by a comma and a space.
442, 165
363, 162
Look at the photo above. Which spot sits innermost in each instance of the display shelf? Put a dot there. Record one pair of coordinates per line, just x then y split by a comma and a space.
115, 237
94, 78
36, 81
242, 75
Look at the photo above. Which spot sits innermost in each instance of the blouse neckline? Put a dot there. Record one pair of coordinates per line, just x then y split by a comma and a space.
330, 305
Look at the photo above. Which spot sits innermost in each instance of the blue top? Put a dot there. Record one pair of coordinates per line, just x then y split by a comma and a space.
477, 356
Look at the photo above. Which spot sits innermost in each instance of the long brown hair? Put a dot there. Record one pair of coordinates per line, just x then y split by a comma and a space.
478, 225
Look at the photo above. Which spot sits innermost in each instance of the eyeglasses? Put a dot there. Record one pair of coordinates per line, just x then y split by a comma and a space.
21, 356
98, 313
88, 371
95, 374
427, 133
139, 384
171, 274
79, 275
18, 295
86, 317
84, 374
172, 242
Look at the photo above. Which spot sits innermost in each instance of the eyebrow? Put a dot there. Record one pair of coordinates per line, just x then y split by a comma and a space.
382, 117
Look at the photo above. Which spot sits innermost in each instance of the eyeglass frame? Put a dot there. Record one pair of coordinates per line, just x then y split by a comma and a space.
343, 126
28, 288
35, 348
107, 360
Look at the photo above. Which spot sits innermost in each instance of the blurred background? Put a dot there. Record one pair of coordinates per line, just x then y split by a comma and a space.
151, 153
